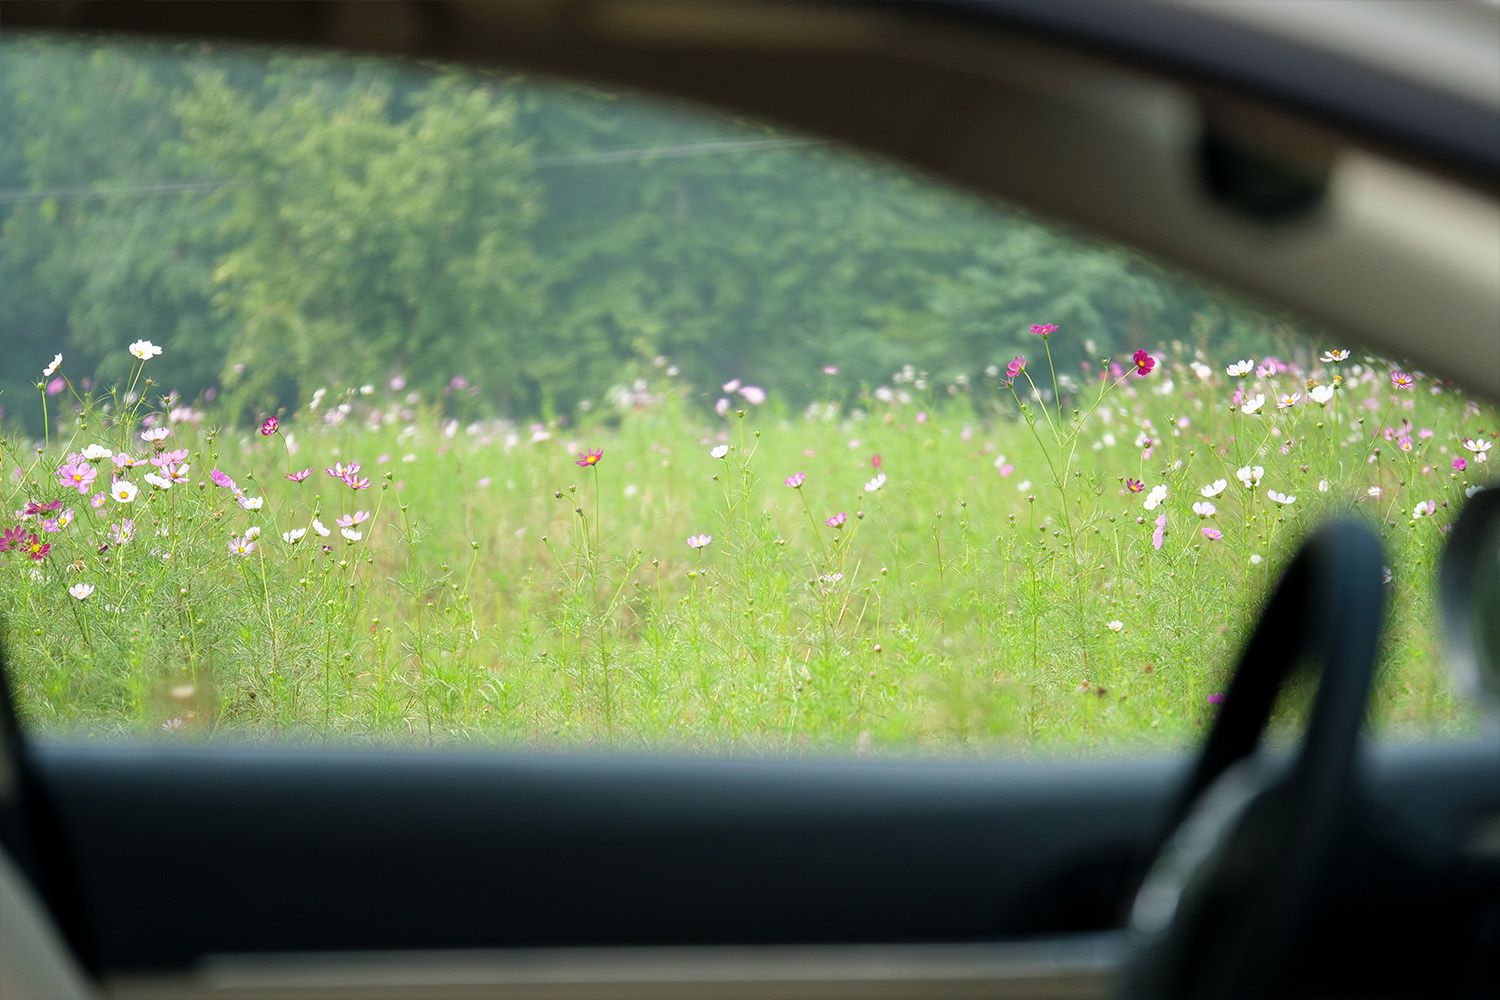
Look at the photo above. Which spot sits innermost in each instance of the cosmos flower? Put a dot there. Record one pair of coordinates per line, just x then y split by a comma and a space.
1155, 497
299, 475
1280, 498
155, 434
350, 535
1333, 357
166, 458
241, 546
13, 538
1204, 508
1115, 626
1143, 362
159, 482
123, 532
699, 541
876, 483
81, 591
1252, 405
252, 503
1015, 368
317, 526
1402, 380
1321, 394
795, 480
1160, 534
718, 451
1044, 330
95, 452
52, 368
1250, 475
294, 536
352, 480
753, 394
1287, 400
1480, 447
1460, 464
221, 478
1424, 509
36, 550
145, 350
1212, 534
122, 491
590, 458
77, 474
350, 520
269, 426
1214, 488
1240, 369
1134, 485
837, 520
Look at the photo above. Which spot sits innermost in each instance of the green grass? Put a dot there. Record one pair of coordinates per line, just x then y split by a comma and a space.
502, 594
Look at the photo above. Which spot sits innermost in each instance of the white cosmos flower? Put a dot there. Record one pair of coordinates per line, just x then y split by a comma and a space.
1373, 491
52, 368
1424, 509
875, 483
318, 527
1480, 447
144, 349
350, 534
1214, 488
294, 536
94, 452
81, 590
252, 503
1240, 369
1251, 475
252, 532
1280, 498
1115, 626
1155, 497
1204, 508
122, 491
1333, 357
158, 481
719, 451
1253, 404
156, 434
1321, 394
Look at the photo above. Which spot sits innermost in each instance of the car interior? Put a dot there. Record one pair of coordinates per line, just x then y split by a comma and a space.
1339, 160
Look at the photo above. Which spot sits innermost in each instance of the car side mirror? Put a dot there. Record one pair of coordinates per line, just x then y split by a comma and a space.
1469, 595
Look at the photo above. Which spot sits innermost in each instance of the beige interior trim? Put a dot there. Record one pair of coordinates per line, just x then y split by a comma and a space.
35, 964
1079, 968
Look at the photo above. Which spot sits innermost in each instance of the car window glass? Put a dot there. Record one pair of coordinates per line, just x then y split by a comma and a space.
351, 400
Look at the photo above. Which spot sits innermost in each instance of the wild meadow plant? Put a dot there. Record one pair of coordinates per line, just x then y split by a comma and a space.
1030, 559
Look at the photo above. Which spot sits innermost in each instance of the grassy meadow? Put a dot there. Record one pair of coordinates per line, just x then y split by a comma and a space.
919, 567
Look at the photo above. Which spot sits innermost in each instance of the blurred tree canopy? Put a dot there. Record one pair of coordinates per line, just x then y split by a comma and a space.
283, 223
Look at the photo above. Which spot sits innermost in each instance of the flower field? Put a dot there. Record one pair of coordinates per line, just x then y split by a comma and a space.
1031, 558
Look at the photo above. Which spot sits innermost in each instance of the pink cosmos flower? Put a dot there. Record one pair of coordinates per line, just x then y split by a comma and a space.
221, 478
36, 550
350, 520
241, 545
1460, 464
1402, 380
589, 458
77, 474
795, 480
338, 470
830, 369
13, 538
299, 475
352, 480
166, 458
1044, 330
1143, 364
699, 541
269, 426
98, 500
1216, 699
1134, 485
837, 520
1212, 534
56, 386
1160, 534
1015, 368
33, 508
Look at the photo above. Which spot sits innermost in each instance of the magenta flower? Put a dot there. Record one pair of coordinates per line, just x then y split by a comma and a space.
1016, 367
56, 386
837, 520
33, 508
13, 538
1134, 485
875, 461
1044, 330
338, 470
1216, 698
36, 550
1402, 380
269, 426
299, 475
221, 478
1143, 364
1460, 464
589, 458
1160, 534
77, 474
795, 480
1212, 534
352, 480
